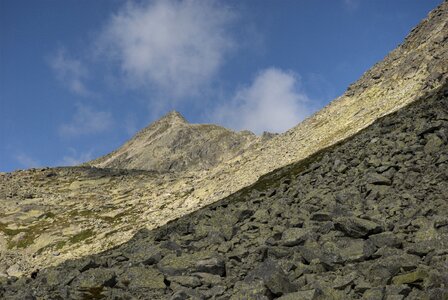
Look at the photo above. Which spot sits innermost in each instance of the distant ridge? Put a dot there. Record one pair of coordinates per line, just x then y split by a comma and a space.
171, 144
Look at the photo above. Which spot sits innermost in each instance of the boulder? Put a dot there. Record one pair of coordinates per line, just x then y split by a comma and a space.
388, 239
294, 236
142, 277
357, 227
95, 278
273, 277
378, 179
303, 295
174, 265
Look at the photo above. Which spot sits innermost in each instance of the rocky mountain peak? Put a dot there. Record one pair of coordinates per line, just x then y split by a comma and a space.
173, 117
172, 144
324, 209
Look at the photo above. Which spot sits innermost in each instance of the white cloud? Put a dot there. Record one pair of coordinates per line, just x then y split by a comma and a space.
75, 158
173, 46
273, 102
71, 72
86, 121
27, 161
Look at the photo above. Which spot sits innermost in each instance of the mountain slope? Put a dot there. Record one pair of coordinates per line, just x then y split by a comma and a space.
416, 67
50, 215
367, 218
172, 144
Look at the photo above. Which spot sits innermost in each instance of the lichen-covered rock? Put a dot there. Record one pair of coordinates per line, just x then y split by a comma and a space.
95, 278
190, 263
305, 295
142, 278
372, 240
273, 278
172, 144
357, 227
78, 211
294, 236
322, 239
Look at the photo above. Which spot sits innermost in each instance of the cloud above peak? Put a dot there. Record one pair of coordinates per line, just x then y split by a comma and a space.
175, 47
27, 161
273, 102
71, 72
86, 121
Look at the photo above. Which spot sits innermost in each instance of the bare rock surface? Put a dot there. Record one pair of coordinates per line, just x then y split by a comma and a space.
50, 215
269, 241
172, 144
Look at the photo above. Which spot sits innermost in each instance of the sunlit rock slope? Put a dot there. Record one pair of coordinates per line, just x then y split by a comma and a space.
50, 215
364, 219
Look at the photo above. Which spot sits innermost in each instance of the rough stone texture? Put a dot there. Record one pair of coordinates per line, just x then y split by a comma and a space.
371, 241
51, 215
172, 144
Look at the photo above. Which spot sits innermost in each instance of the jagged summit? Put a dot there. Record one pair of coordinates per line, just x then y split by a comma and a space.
174, 117
173, 144
72, 212
343, 224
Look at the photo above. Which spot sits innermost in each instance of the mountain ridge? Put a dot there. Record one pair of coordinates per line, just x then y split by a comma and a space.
51, 215
172, 144
363, 219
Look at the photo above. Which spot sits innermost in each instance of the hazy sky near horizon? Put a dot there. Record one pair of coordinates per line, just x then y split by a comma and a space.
79, 77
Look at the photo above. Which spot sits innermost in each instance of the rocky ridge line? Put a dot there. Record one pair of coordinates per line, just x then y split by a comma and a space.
417, 66
171, 144
364, 219
50, 215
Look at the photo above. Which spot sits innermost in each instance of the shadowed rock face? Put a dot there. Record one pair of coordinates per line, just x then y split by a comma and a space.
365, 219
172, 144
50, 215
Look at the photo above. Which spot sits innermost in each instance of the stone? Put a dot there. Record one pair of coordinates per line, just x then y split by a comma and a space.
214, 265
303, 295
388, 239
53, 277
383, 269
294, 236
346, 250
214, 291
320, 216
378, 179
357, 227
438, 293
14, 270
441, 222
142, 278
394, 297
261, 215
273, 277
433, 144
190, 263
412, 277
94, 278
341, 282
187, 281
374, 294
254, 290
422, 248
185, 294
208, 279
402, 289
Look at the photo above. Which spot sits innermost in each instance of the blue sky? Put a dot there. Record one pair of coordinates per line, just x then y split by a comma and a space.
79, 77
